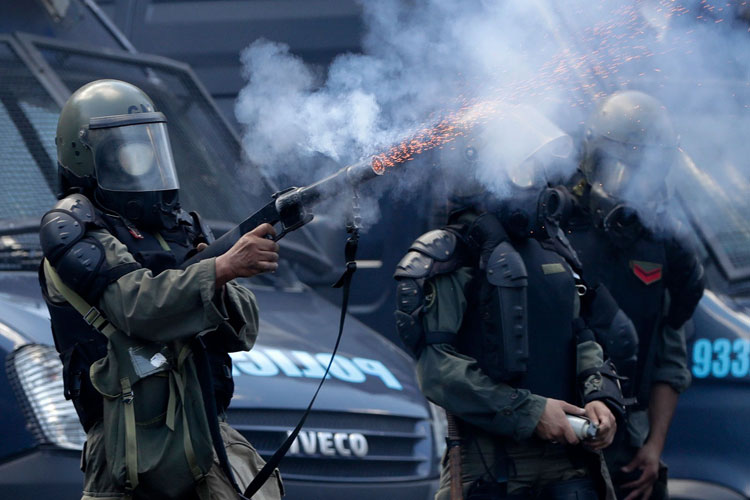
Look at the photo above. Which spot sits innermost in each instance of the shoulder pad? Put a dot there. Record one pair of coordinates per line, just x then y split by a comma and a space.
439, 244
64, 225
78, 205
431, 254
414, 265
485, 233
505, 267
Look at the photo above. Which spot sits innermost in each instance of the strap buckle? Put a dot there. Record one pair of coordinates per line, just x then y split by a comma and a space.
96, 315
127, 397
451, 442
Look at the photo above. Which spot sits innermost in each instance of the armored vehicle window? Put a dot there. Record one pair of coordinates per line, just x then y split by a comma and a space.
715, 187
28, 118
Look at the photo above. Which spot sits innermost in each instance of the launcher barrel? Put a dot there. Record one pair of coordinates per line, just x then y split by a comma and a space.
291, 208
348, 177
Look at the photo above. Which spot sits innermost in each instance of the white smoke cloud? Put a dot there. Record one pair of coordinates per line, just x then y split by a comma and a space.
421, 60
424, 60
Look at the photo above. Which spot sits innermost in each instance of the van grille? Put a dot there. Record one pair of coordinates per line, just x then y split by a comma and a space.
399, 448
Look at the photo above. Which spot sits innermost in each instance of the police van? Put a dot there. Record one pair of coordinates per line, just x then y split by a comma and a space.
371, 433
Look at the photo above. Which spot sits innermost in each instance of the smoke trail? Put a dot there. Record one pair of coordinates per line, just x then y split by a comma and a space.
421, 61
425, 60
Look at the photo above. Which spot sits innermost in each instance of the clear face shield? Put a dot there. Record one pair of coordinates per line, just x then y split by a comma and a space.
634, 176
520, 149
132, 152
528, 175
628, 188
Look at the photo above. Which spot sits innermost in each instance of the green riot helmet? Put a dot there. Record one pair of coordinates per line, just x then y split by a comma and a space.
519, 151
111, 142
629, 147
506, 160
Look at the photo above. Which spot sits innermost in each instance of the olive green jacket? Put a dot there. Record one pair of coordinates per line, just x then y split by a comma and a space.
175, 304
669, 366
670, 359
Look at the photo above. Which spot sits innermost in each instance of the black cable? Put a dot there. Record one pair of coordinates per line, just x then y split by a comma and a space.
345, 283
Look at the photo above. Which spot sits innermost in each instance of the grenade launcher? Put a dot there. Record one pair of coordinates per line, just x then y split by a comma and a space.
291, 208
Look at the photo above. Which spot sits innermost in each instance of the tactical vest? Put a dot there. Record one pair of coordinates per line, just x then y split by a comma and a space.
77, 341
549, 303
521, 305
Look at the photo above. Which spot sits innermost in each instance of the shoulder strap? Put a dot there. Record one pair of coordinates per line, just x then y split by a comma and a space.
162, 242
91, 315
557, 242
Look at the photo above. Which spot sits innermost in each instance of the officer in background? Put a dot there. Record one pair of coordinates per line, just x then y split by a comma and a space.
616, 221
113, 243
491, 314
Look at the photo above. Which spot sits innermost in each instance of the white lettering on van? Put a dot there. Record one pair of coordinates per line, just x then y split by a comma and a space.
330, 444
262, 362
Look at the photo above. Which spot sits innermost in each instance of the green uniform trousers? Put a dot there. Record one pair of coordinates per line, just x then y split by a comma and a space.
530, 465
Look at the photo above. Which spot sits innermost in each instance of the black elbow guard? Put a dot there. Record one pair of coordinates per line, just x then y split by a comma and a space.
685, 280
409, 307
603, 385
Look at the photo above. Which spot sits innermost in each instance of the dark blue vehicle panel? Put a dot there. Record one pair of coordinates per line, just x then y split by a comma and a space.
709, 434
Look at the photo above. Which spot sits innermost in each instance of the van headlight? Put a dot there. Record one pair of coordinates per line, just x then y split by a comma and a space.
36, 374
439, 429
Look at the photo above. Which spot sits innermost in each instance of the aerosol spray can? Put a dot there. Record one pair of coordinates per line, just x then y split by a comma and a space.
583, 427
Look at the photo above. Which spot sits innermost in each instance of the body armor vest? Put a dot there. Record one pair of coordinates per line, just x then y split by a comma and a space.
80, 345
550, 369
521, 303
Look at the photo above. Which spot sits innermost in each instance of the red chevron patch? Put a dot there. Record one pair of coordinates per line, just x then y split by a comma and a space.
647, 272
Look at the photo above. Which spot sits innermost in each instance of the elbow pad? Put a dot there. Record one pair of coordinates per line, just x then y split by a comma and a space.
603, 384
409, 309
685, 280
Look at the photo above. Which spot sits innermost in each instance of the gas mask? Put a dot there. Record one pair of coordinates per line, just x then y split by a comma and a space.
628, 189
629, 148
619, 220
529, 207
504, 165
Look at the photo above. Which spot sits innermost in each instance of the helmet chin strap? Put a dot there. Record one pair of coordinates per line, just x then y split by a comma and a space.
148, 210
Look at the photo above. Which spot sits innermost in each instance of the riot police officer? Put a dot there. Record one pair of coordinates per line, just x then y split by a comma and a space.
489, 306
626, 240
126, 321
